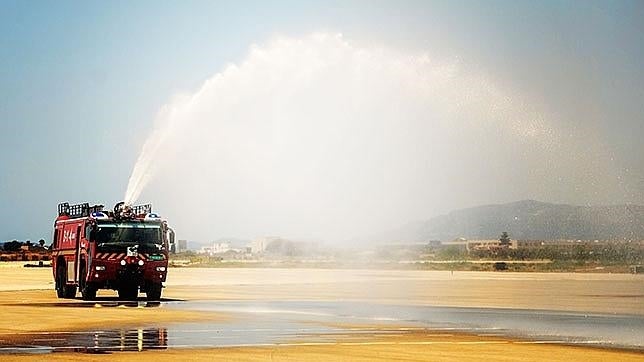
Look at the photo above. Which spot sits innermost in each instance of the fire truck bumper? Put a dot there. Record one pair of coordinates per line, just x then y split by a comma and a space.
116, 276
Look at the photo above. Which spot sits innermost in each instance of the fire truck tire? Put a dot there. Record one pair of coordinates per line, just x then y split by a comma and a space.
89, 292
59, 282
154, 291
69, 291
128, 292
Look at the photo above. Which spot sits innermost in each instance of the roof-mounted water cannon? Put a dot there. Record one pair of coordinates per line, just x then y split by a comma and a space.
123, 211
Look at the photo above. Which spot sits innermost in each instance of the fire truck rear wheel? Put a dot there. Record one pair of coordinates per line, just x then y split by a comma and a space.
153, 291
69, 291
59, 281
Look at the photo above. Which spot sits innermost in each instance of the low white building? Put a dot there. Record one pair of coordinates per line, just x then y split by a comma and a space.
220, 248
205, 250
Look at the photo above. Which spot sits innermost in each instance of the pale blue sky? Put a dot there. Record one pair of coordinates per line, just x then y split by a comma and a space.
81, 82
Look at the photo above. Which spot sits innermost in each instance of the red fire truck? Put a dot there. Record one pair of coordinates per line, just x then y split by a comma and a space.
125, 249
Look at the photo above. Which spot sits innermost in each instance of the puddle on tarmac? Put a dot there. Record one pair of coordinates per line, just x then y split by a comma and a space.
276, 322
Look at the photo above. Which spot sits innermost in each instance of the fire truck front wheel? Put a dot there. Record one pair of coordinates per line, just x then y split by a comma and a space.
88, 291
153, 291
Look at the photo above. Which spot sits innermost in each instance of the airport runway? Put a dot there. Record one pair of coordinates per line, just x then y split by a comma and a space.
252, 314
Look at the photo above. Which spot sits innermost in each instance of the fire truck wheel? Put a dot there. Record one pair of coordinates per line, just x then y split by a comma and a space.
154, 291
89, 292
59, 282
128, 292
69, 291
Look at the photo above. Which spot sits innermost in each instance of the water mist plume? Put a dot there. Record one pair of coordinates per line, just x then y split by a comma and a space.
316, 137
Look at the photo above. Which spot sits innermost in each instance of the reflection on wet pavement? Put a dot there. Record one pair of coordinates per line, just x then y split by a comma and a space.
283, 322
98, 341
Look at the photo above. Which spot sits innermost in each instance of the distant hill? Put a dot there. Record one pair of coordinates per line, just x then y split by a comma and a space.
528, 220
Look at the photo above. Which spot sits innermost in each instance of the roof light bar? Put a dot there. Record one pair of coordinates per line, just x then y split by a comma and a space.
78, 210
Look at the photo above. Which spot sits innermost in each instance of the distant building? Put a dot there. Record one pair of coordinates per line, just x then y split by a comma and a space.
460, 243
475, 245
220, 248
205, 250
182, 245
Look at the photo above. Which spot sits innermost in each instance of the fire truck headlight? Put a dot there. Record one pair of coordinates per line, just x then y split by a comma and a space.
141, 263
160, 268
99, 267
123, 262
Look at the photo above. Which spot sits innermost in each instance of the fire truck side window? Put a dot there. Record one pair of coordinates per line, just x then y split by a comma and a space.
55, 241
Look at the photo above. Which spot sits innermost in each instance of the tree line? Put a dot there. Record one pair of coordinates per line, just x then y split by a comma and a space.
15, 245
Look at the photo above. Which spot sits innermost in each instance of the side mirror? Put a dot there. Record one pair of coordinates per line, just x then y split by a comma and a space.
173, 248
90, 232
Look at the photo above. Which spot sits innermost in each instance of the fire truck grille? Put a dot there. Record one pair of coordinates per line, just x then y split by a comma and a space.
131, 272
119, 256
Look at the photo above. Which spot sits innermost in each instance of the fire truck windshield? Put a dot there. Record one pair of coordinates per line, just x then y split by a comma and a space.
113, 236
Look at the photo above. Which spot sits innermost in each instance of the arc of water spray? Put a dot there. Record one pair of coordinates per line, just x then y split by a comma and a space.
441, 82
165, 124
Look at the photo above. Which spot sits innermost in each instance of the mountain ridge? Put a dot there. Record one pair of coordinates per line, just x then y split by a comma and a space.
528, 220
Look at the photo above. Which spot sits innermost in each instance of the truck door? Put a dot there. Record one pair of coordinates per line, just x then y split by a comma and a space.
67, 243
88, 245
77, 254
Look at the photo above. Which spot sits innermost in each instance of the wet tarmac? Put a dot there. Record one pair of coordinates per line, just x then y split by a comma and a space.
257, 323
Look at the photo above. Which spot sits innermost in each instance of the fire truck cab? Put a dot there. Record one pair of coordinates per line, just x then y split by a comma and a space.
125, 250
